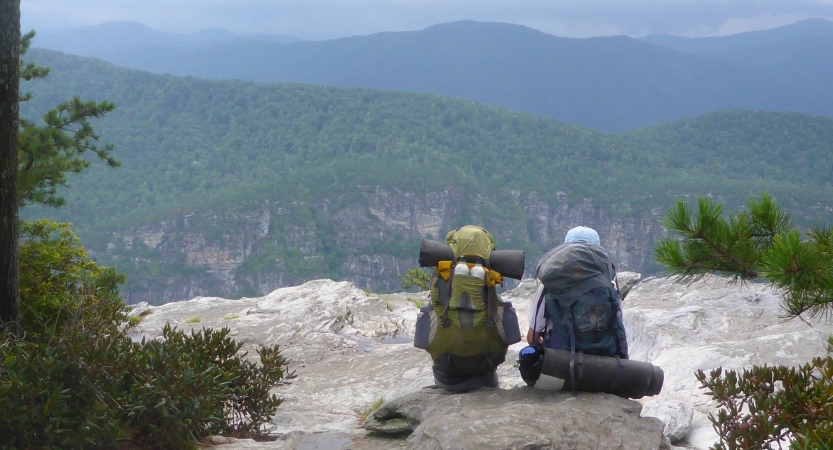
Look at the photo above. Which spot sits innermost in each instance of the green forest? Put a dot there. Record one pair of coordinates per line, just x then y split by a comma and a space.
192, 145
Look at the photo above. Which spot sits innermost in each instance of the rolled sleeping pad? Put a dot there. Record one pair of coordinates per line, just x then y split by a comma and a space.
510, 263
593, 373
432, 252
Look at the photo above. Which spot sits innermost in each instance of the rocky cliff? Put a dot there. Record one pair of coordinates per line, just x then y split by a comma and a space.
349, 349
368, 240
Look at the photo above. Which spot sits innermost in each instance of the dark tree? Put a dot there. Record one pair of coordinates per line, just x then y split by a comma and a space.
9, 128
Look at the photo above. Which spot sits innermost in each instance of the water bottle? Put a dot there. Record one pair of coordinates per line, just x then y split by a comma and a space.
478, 271
461, 268
528, 355
530, 362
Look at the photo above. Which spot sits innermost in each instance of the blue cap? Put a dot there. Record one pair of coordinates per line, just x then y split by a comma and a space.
582, 234
526, 352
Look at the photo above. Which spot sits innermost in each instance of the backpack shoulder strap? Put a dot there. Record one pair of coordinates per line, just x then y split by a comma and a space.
539, 303
444, 321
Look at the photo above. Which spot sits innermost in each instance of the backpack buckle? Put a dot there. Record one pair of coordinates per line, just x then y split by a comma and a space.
445, 322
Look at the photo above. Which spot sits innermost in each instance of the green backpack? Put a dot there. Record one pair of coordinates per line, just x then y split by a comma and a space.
467, 328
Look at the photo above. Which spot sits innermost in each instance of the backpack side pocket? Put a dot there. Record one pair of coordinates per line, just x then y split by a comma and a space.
507, 323
426, 327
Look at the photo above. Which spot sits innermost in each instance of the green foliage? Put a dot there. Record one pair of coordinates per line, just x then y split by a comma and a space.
75, 379
60, 284
416, 302
188, 386
372, 407
710, 242
133, 321
764, 405
48, 152
803, 268
88, 390
761, 242
415, 277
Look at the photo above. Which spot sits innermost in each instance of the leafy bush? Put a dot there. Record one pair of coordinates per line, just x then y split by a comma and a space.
765, 405
59, 283
75, 379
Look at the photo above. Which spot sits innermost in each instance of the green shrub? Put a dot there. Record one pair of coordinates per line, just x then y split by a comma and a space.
416, 302
48, 400
188, 386
75, 379
59, 283
372, 407
134, 321
764, 405
415, 277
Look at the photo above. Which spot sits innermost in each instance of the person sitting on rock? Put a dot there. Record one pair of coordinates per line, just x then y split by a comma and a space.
584, 314
466, 328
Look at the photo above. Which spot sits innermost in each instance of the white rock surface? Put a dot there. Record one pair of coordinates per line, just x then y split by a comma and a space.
346, 347
677, 417
705, 325
349, 348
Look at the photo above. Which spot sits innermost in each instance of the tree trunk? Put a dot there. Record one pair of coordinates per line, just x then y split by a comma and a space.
9, 118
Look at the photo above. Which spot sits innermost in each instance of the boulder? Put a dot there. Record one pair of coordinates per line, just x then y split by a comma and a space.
399, 416
627, 280
676, 415
520, 418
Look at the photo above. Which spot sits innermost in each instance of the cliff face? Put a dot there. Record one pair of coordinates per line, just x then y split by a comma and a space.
367, 240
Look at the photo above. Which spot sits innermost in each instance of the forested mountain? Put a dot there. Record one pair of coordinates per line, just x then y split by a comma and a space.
801, 53
307, 181
809, 28
114, 37
609, 83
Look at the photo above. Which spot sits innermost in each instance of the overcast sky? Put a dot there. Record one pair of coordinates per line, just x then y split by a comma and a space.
325, 19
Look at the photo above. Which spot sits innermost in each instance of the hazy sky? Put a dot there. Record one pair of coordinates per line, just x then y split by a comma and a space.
324, 19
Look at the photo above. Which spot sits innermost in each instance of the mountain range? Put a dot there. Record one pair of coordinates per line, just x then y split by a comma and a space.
113, 37
609, 83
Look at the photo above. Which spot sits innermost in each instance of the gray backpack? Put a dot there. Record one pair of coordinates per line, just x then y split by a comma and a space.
581, 301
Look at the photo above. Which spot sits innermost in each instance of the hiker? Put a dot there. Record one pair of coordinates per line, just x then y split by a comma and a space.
466, 328
586, 314
576, 334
